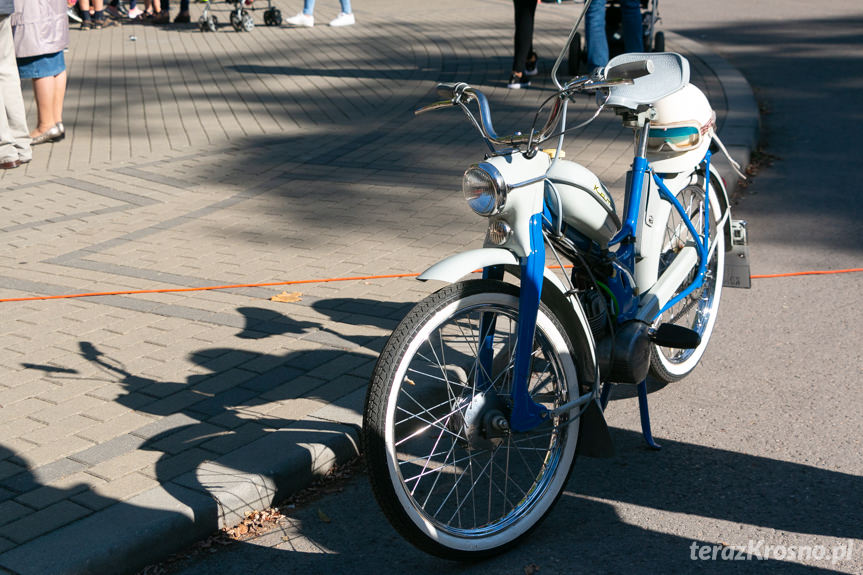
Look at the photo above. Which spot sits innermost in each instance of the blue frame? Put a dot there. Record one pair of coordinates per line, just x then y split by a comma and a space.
526, 413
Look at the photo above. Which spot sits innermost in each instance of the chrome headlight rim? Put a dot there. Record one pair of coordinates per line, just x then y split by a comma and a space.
499, 189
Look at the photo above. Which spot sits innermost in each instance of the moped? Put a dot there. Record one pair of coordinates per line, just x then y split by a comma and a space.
488, 389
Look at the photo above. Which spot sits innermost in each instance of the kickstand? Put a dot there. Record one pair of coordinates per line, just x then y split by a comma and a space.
645, 416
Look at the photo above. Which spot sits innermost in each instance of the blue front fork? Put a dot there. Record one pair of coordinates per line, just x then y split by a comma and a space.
526, 413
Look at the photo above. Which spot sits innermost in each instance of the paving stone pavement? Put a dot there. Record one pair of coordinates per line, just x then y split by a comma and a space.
132, 425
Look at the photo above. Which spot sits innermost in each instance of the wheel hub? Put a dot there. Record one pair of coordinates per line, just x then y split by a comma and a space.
480, 421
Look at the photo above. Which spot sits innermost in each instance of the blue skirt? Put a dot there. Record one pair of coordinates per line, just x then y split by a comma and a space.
41, 66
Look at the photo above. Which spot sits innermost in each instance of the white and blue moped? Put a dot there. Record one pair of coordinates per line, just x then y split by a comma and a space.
488, 388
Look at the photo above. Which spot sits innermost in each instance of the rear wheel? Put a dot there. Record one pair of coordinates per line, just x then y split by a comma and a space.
448, 480
698, 310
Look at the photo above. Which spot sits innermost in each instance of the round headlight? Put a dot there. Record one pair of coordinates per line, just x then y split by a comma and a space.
484, 189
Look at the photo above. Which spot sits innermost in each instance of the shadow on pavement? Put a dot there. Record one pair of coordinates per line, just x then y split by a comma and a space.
584, 533
214, 414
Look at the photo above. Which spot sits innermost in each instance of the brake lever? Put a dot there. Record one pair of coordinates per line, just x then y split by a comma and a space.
600, 84
434, 106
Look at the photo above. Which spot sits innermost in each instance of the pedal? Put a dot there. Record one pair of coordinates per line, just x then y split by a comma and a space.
737, 258
676, 336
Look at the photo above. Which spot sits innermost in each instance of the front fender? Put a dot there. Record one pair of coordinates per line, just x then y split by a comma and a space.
457, 266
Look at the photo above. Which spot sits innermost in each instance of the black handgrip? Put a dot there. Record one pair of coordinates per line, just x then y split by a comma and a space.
629, 70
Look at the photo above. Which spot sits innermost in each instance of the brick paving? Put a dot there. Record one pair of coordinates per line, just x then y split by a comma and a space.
203, 159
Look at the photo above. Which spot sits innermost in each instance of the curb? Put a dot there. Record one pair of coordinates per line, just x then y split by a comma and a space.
169, 518
741, 128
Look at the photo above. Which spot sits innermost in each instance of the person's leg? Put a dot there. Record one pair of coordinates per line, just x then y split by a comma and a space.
43, 89
183, 16
345, 17
633, 34
594, 35
86, 18
14, 135
113, 7
523, 39
59, 95
305, 18
100, 20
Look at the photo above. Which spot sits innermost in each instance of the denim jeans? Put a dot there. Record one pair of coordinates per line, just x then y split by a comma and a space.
594, 31
309, 7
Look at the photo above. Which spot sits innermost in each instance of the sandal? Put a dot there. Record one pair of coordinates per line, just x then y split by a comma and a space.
161, 17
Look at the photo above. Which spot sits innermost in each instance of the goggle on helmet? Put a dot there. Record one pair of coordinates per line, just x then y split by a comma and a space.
682, 122
678, 137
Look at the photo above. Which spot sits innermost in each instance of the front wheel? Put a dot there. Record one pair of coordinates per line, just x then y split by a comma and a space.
698, 310
449, 479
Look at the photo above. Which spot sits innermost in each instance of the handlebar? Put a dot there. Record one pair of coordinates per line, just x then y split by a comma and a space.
629, 71
461, 94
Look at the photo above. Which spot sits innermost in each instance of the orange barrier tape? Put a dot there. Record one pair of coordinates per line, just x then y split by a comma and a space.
325, 280
813, 273
206, 288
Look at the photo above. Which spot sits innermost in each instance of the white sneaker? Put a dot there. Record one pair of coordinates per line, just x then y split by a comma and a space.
135, 13
301, 19
344, 20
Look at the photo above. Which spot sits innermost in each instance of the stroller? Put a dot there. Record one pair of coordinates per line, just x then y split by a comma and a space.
241, 17
653, 41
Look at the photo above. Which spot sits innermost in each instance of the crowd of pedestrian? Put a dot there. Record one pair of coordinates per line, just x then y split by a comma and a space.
99, 15
34, 34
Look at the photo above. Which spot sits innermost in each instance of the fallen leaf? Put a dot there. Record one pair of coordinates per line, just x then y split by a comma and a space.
323, 516
286, 297
531, 569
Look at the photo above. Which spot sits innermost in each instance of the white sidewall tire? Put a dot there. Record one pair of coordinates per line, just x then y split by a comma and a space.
486, 545
679, 370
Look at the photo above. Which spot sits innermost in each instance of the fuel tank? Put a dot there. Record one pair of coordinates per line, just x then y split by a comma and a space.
584, 200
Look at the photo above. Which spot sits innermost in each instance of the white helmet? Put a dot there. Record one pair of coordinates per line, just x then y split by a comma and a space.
681, 132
